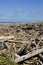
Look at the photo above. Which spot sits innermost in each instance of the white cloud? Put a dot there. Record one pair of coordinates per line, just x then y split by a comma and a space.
2, 16
5, 17
18, 10
16, 13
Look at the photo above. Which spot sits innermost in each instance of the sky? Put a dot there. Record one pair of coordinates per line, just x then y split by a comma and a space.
21, 10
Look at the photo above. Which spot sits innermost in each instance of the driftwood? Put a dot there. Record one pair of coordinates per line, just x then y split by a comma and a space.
29, 55
22, 41
6, 37
26, 42
7, 46
20, 50
40, 62
16, 55
40, 55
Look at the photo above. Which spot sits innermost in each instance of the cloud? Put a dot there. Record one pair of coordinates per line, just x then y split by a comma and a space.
15, 14
18, 10
2, 16
5, 17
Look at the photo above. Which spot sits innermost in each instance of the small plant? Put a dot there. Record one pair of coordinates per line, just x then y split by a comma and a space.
6, 61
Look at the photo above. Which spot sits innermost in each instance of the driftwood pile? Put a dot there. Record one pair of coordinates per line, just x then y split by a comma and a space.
22, 43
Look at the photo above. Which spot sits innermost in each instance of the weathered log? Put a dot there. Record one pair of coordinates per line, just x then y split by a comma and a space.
40, 62
40, 55
20, 50
7, 46
19, 41
6, 37
16, 55
29, 55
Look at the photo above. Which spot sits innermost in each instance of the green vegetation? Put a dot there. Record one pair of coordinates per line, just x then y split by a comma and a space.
6, 61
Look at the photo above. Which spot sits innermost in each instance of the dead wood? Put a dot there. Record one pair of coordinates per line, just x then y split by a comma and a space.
29, 55
6, 37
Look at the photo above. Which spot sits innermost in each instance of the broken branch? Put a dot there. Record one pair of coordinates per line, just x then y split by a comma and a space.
29, 55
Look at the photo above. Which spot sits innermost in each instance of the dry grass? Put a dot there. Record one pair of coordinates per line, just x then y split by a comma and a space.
6, 61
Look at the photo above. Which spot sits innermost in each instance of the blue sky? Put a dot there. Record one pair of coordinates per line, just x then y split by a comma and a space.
21, 10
